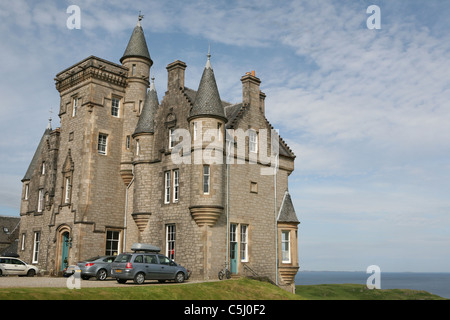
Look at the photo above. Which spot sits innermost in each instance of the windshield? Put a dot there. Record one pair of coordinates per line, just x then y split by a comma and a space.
123, 257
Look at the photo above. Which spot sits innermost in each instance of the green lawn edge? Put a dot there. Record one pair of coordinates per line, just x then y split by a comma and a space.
239, 289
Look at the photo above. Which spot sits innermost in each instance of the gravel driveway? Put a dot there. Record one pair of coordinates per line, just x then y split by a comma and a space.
60, 282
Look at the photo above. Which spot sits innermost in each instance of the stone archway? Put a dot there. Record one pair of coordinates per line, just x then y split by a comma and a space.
63, 245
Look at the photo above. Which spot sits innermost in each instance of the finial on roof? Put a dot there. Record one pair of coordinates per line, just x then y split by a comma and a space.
49, 125
152, 85
208, 63
140, 17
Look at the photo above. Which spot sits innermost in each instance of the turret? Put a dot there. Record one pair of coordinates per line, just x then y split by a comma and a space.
143, 155
136, 59
207, 123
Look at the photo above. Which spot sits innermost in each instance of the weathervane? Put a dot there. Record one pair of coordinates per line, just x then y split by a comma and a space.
141, 16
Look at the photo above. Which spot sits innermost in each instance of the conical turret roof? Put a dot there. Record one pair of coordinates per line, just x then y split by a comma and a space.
147, 118
207, 101
137, 46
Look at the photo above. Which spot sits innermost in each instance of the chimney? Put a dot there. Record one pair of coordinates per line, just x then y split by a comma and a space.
176, 75
251, 94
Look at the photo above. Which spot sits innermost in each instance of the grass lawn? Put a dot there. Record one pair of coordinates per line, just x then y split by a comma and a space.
241, 289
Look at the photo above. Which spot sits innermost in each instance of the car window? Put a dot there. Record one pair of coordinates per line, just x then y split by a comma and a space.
151, 259
5, 260
15, 261
163, 259
109, 259
123, 258
139, 259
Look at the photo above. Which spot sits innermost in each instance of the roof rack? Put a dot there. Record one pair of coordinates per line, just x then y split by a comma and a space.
144, 247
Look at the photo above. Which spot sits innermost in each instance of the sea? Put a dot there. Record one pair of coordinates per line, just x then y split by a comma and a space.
433, 282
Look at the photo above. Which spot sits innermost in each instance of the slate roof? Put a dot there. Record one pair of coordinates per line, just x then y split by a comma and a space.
287, 211
147, 118
37, 154
137, 46
9, 229
207, 100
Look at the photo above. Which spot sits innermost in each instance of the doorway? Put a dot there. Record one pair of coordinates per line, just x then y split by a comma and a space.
64, 250
233, 248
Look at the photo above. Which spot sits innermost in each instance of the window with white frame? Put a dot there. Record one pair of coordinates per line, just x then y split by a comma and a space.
167, 178
102, 143
219, 131
43, 168
22, 244
74, 107
171, 138
127, 142
252, 141
195, 129
36, 242
138, 147
176, 185
244, 242
27, 190
170, 241
285, 247
115, 107
40, 200
112, 242
206, 179
67, 189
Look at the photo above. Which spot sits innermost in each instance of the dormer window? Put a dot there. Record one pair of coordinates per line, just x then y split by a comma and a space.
252, 141
171, 138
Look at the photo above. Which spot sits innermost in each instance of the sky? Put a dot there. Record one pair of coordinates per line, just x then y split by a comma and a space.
366, 111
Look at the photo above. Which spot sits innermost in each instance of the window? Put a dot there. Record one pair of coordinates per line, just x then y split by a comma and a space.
171, 138
40, 200
127, 142
67, 190
253, 187
102, 143
112, 242
285, 247
170, 241
22, 244
244, 243
140, 106
171, 188
43, 168
138, 147
176, 185
115, 106
37, 240
133, 69
167, 187
195, 130
219, 131
252, 141
206, 179
74, 107
27, 190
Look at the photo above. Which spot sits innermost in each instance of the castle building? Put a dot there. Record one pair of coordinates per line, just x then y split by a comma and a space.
185, 173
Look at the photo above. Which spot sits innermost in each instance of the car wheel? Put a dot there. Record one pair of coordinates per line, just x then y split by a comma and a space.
31, 273
122, 281
139, 278
101, 274
179, 278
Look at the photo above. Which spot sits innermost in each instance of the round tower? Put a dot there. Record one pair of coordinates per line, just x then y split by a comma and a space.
143, 137
136, 59
207, 124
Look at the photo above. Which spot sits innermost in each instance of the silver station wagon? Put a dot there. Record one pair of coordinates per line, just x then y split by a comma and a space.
146, 263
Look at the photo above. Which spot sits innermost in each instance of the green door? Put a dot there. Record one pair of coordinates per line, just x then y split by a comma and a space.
233, 249
65, 249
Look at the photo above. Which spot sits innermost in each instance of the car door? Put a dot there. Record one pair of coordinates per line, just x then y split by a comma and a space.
6, 266
167, 268
20, 268
152, 267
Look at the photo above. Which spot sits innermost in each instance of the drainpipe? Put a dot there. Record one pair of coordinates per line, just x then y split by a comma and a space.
125, 216
276, 223
228, 202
